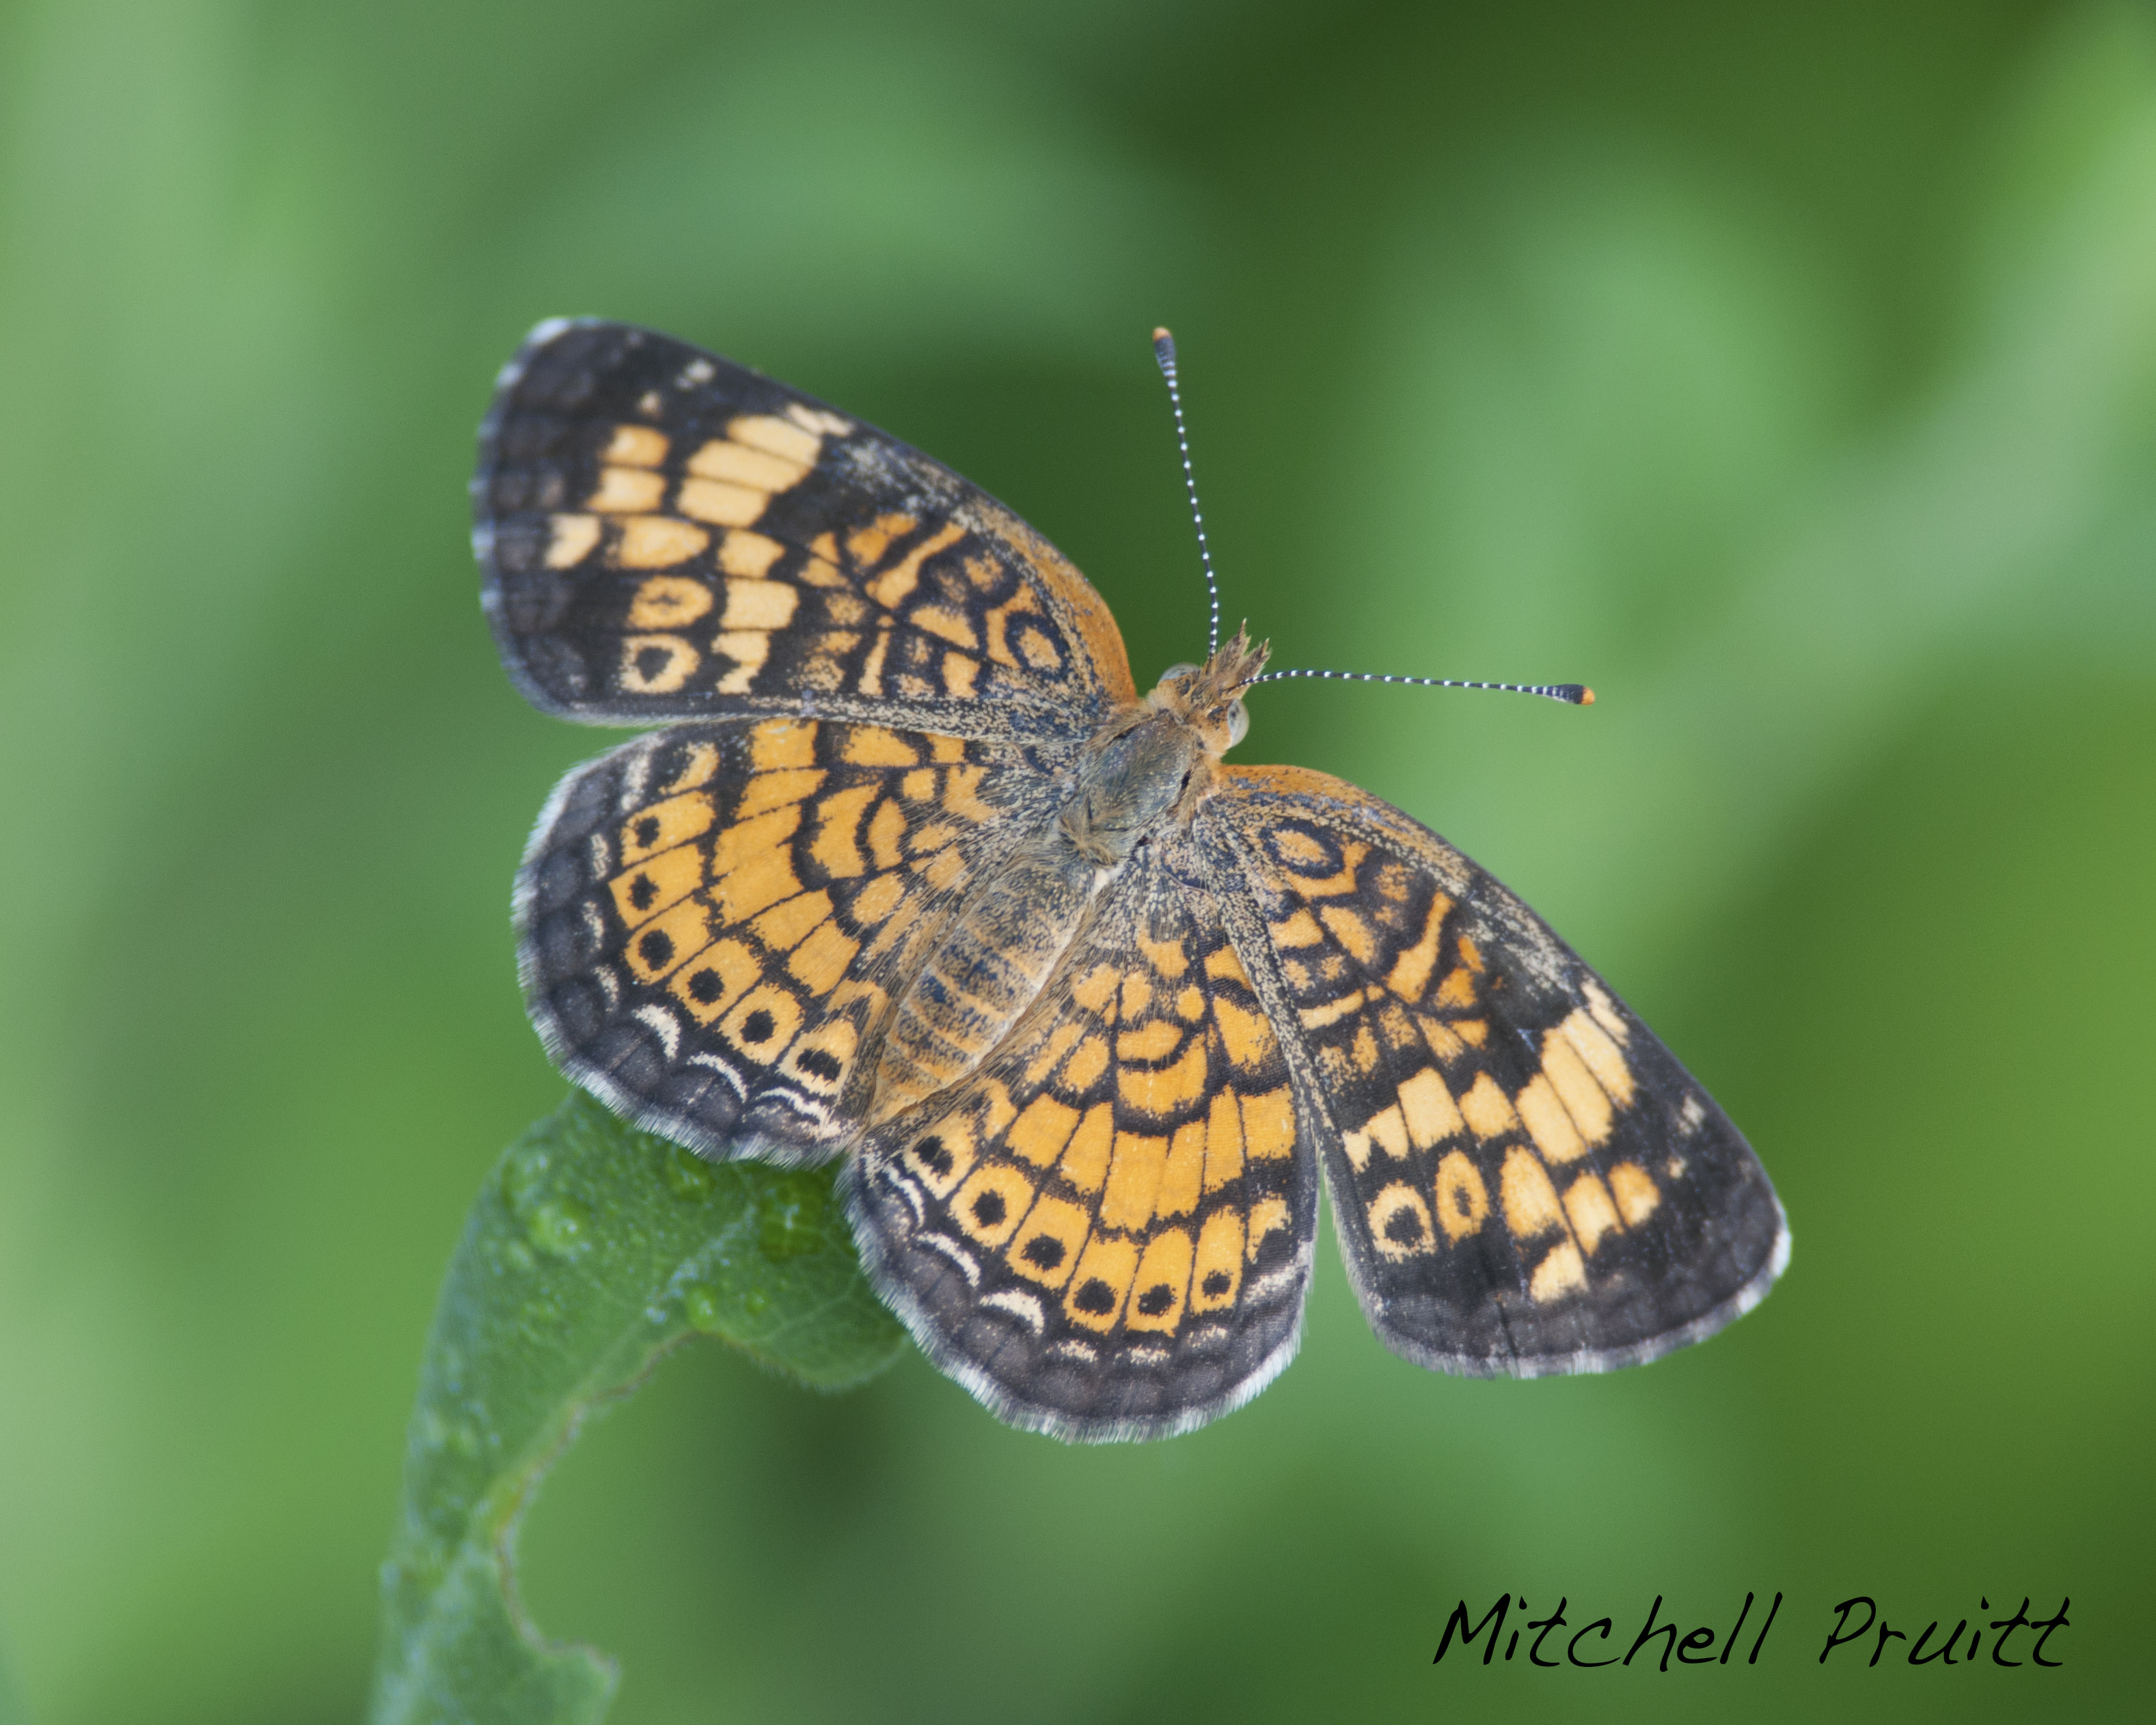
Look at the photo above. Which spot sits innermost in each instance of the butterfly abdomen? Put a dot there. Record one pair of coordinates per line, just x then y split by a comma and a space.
988, 969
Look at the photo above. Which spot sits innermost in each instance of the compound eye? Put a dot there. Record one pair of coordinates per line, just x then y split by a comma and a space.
1238, 723
1173, 671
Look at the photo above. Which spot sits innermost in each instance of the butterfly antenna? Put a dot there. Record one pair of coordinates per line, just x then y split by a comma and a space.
1163, 350
1575, 693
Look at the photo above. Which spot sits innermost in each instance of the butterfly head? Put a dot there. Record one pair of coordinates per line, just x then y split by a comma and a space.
1208, 697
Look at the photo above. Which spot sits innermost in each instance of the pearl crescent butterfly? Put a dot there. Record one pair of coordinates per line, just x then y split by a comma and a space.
911, 872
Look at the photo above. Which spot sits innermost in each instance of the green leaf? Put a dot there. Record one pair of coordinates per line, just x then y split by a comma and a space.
591, 1249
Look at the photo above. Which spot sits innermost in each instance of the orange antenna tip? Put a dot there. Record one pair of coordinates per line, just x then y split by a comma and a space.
1587, 697
1161, 334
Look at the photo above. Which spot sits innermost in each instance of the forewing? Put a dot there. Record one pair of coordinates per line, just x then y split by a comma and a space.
1525, 1180
1105, 1231
667, 535
712, 919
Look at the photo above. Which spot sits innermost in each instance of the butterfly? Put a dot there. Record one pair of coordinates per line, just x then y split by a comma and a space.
909, 872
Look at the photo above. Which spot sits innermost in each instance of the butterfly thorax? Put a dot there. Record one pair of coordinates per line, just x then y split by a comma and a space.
1150, 764
1128, 781
1159, 757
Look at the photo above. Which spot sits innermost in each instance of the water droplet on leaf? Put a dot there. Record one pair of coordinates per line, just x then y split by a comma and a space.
700, 1304
558, 1227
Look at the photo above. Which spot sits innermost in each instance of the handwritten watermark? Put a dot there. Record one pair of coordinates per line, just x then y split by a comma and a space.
1556, 1639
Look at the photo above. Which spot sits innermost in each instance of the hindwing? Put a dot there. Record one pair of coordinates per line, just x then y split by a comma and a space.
1105, 1231
667, 535
1525, 1180
713, 920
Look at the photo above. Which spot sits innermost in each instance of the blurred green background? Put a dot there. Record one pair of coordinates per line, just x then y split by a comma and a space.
1788, 374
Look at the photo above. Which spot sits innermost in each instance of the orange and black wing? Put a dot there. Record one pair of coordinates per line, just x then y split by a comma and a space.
713, 920
1525, 1180
1105, 1231
667, 535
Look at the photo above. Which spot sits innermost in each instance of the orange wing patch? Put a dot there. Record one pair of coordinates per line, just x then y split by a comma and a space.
735, 904
1121, 1131
1133, 1193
